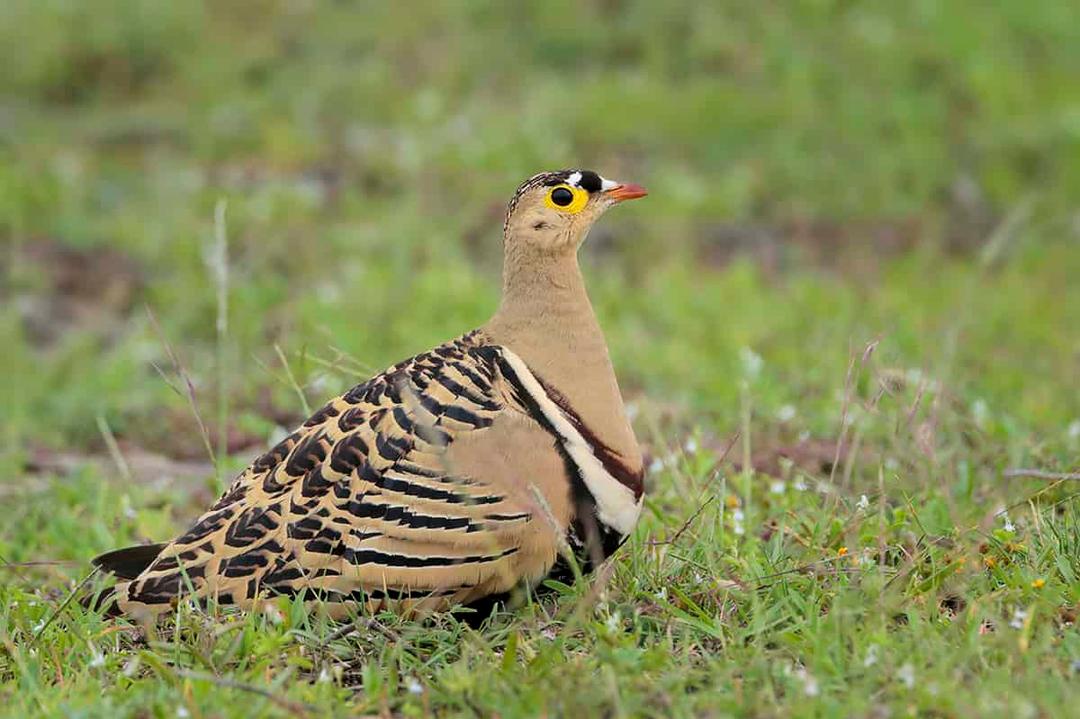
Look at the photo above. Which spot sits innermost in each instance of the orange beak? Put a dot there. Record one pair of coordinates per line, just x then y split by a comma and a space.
625, 192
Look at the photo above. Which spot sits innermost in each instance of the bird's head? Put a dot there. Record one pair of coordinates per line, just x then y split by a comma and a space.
553, 211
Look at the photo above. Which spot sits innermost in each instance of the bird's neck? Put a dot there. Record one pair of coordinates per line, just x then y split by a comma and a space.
545, 317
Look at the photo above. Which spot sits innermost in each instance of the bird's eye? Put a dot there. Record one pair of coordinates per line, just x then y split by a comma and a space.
567, 198
562, 196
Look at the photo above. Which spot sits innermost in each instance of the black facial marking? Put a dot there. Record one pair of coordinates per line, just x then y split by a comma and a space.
590, 181
540, 225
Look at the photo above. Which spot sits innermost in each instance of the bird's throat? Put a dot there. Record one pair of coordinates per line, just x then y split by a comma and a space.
546, 318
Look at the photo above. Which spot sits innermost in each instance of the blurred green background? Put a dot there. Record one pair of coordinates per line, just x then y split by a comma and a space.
272, 199
821, 173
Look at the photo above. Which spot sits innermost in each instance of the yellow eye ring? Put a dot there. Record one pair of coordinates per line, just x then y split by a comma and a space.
566, 198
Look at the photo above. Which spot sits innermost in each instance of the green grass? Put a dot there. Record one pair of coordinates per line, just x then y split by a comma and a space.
825, 178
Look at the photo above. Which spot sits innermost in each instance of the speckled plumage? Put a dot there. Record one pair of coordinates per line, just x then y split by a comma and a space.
452, 477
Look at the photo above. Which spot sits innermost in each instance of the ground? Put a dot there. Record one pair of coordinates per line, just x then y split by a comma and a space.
846, 314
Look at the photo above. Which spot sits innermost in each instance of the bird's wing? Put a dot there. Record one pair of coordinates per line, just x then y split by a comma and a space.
429, 484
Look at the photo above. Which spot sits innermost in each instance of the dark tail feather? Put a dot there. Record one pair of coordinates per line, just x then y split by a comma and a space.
103, 601
129, 562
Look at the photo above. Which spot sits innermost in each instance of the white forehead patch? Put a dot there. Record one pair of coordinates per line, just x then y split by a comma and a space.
606, 184
574, 179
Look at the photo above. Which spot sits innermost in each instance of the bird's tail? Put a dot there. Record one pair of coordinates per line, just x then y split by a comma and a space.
129, 562
125, 564
103, 601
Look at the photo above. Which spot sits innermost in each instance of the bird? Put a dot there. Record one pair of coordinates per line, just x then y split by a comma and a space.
453, 479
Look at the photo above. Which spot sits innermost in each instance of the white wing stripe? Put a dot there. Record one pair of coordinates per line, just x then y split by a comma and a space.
616, 505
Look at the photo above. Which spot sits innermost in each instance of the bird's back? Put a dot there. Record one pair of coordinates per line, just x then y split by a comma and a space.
361, 505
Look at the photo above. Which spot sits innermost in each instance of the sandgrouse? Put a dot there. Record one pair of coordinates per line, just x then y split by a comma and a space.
451, 478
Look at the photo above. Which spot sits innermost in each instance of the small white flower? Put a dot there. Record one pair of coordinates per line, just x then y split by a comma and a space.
273, 614
182, 713
799, 484
737, 518
778, 486
906, 675
656, 465
614, 621
1018, 617
810, 684
414, 687
1008, 526
1074, 430
980, 412
661, 594
97, 659
751, 363
130, 667
691, 446
786, 413
324, 676
863, 503
891, 464
871, 657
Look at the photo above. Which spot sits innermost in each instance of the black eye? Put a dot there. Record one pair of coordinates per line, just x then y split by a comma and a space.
562, 196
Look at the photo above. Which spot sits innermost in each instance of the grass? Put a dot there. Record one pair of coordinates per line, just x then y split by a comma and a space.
857, 267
